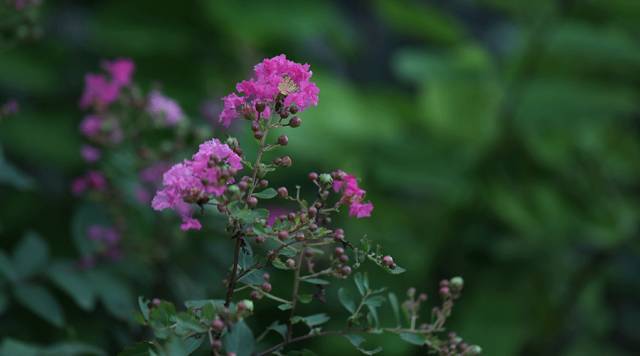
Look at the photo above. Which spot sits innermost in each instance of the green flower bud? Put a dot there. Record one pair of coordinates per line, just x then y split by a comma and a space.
456, 283
326, 179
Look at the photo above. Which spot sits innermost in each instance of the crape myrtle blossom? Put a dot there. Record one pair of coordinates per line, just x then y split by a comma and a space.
92, 180
352, 195
164, 109
100, 91
193, 181
276, 81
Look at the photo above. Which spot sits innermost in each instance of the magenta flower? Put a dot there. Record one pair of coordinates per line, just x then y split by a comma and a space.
274, 78
164, 109
195, 181
121, 70
90, 153
90, 125
352, 195
98, 91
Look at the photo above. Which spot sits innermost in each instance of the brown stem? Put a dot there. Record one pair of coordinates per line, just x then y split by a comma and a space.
294, 294
232, 278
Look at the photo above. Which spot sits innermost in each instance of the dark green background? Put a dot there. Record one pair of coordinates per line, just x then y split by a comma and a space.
498, 140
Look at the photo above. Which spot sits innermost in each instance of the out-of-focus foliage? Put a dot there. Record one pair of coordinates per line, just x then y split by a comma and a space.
497, 138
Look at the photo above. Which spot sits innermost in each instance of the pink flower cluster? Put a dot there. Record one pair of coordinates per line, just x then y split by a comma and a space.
193, 181
100, 91
274, 78
164, 109
352, 195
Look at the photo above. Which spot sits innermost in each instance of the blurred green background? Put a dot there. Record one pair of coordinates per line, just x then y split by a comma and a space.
498, 140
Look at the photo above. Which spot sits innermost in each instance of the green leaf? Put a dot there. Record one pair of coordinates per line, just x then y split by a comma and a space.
10, 175
277, 263
395, 306
285, 306
346, 300
201, 303
6, 267
114, 294
139, 349
375, 301
281, 329
305, 298
255, 277
143, 304
413, 338
74, 283
357, 341
239, 339
4, 302
268, 193
362, 283
31, 255
186, 324
316, 319
318, 281
193, 343
11, 347
38, 299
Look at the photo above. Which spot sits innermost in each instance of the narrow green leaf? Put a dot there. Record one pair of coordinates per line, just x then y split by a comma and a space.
362, 283
305, 298
357, 341
143, 304
285, 306
318, 281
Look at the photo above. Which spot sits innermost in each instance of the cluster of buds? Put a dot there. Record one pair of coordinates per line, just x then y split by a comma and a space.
456, 346
451, 289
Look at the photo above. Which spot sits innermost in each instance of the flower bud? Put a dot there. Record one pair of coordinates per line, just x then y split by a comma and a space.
283, 192
243, 185
260, 239
260, 106
312, 211
326, 179
285, 161
283, 235
346, 270
217, 325
444, 292
216, 344
252, 201
291, 217
291, 263
338, 234
266, 286
444, 283
339, 251
155, 302
456, 283
263, 183
255, 295
283, 140
233, 189
313, 176
387, 260
422, 297
258, 135
255, 126
300, 236
295, 122
284, 113
308, 252
293, 109
344, 258
474, 350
